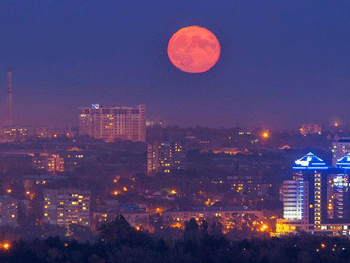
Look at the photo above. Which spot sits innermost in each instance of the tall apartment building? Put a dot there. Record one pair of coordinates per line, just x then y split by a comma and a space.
113, 123
295, 194
67, 206
165, 156
8, 211
319, 198
340, 148
47, 161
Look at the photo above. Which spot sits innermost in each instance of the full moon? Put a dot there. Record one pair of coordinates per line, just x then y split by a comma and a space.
194, 49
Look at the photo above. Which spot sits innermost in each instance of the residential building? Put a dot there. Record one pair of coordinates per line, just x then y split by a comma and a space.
165, 156
295, 194
113, 123
136, 216
317, 200
21, 133
227, 215
67, 206
137, 219
8, 211
310, 129
50, 162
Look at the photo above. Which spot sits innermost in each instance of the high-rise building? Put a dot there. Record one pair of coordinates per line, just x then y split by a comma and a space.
295, 194
9, 97
65, 207
113, 123
8, 211
317, 200
340, 148
165, 156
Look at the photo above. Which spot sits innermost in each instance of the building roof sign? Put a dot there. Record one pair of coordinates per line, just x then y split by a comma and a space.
310, 162
344, 161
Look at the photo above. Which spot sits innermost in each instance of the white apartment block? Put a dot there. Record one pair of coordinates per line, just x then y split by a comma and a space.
65, 207
113, 123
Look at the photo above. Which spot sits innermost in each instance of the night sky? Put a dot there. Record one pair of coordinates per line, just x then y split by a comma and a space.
282, 63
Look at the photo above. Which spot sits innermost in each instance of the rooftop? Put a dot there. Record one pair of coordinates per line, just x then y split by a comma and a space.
212, 209
310, 162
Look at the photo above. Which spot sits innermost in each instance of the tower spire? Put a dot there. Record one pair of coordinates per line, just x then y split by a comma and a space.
9, 97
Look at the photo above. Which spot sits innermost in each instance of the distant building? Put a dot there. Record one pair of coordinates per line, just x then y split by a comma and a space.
156, 123
61, 132
176, 217
8, 211
21, 133
310, 129
73, 158
136, 218
340, 148
31, 181
113, 123
52, 163
165, 156
231, 151
65, 207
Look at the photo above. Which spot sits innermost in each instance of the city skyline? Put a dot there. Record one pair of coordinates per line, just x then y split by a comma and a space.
276, 58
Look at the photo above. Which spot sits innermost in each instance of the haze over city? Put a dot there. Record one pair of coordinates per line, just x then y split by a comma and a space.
281, 64
174, 131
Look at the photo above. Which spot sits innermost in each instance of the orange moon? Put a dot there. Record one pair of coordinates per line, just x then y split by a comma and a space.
194, 49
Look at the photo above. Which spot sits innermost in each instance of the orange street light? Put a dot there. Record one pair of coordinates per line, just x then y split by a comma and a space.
6, 245
265, 135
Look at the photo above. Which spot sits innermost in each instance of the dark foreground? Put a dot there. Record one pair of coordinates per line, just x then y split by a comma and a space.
121, 243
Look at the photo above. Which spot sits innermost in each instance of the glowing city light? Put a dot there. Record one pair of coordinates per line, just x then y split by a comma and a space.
265, 135
6, 245
263, 228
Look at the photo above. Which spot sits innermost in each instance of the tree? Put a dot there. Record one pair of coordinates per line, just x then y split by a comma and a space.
191, 230
118, 231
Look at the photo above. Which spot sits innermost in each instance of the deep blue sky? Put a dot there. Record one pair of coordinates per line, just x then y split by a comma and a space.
283, 62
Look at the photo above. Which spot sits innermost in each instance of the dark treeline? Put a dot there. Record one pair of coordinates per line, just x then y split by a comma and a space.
120, 242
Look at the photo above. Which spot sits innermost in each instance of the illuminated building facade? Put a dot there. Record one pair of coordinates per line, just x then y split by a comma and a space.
65, 207
165, 156
8, 211
21, 133
340, 148
295, 194
310, 129
113, 123
137, 219
228, 215
318, 199
73, 158
52, 163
